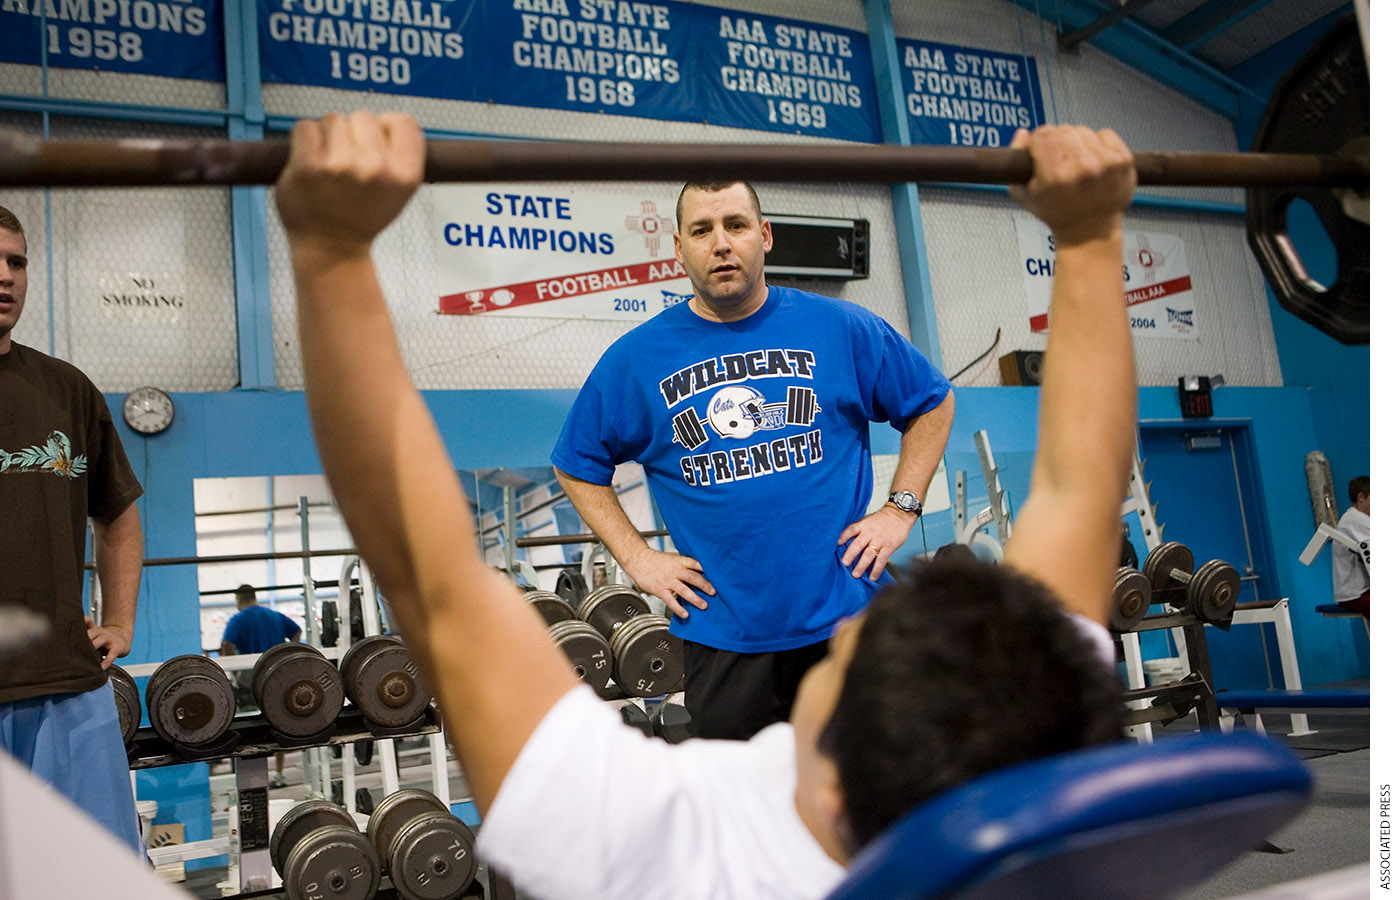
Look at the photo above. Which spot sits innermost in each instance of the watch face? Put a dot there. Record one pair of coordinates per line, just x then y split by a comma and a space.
148, 410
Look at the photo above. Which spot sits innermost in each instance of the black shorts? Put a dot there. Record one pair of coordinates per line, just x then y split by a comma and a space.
735, 695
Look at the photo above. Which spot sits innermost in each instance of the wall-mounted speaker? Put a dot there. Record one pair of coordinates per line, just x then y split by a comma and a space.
1022, 367
815, 247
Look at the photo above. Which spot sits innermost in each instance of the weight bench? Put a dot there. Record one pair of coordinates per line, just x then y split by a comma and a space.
1250, 702
1094, 824
1337, 611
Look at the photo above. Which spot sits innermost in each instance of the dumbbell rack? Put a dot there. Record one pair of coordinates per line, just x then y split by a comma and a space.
249, 741
1168, 702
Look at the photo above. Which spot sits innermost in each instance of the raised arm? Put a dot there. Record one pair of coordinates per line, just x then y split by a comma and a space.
486, 653
1068, 533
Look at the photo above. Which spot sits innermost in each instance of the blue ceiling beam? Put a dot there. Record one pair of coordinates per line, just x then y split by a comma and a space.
1210, 19
1148, 52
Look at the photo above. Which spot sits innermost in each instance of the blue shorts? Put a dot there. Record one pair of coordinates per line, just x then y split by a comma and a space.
74, 742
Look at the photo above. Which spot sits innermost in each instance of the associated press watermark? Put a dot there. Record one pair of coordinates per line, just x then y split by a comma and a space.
1383, 848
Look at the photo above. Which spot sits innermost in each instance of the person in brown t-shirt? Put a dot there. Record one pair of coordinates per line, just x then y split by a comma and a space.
61, 463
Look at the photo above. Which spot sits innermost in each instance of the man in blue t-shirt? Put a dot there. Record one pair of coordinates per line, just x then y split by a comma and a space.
254, 629
749, 409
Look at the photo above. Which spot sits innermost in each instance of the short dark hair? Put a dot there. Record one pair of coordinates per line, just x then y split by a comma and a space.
10, 222
245, 593
714, 187
962, 668
1358, 486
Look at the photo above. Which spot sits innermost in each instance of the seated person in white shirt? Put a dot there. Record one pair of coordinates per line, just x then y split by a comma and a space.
960, 669
1351, 577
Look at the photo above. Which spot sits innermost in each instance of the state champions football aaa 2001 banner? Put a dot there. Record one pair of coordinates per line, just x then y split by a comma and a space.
1156, 280
555, 252
173, 38
680, 62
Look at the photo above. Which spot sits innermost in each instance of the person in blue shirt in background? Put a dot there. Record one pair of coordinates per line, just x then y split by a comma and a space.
254, 629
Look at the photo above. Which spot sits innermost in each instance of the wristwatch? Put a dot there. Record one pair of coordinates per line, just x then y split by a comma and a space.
906, 501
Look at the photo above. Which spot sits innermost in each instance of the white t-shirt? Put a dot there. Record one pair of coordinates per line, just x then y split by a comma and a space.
1349, 578
593, 808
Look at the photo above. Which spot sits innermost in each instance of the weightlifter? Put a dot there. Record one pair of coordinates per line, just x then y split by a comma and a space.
957, 670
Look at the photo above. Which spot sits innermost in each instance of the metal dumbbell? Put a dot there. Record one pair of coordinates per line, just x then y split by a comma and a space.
382, 680
1132, 595
636, 717
648, 660
298, 689
671, 722
429, 853
320, 853
128, 700
190, 700
587, 650
551, 607
1211, 591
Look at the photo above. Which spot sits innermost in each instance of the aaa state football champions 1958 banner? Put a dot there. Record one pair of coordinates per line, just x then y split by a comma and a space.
1156, 280
555, 252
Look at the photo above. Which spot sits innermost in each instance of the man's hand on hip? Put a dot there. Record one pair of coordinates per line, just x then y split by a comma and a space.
113, 641
672, 577
873, 539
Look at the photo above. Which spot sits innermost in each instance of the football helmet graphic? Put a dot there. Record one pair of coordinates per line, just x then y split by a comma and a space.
735, 412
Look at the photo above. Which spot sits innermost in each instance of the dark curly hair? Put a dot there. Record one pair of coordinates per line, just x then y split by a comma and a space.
961, 668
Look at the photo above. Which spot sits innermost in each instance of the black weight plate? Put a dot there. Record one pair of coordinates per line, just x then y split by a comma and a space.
433, 857
393, 812
1320, 106
648, 660
193, 702
384, 682
128, 700
550, 606
1132, 595
607, 607
1161, 560
299, 821
571, 587
587, 650
271, 655
331, 863
300, 694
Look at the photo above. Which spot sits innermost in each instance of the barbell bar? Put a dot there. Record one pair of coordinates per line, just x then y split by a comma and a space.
27, 161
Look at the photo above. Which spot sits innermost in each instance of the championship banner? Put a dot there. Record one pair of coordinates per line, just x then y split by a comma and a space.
1156, 280
682, 62
967, 97
598, 56
173, 38
415, 47
784, 75
508, 250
